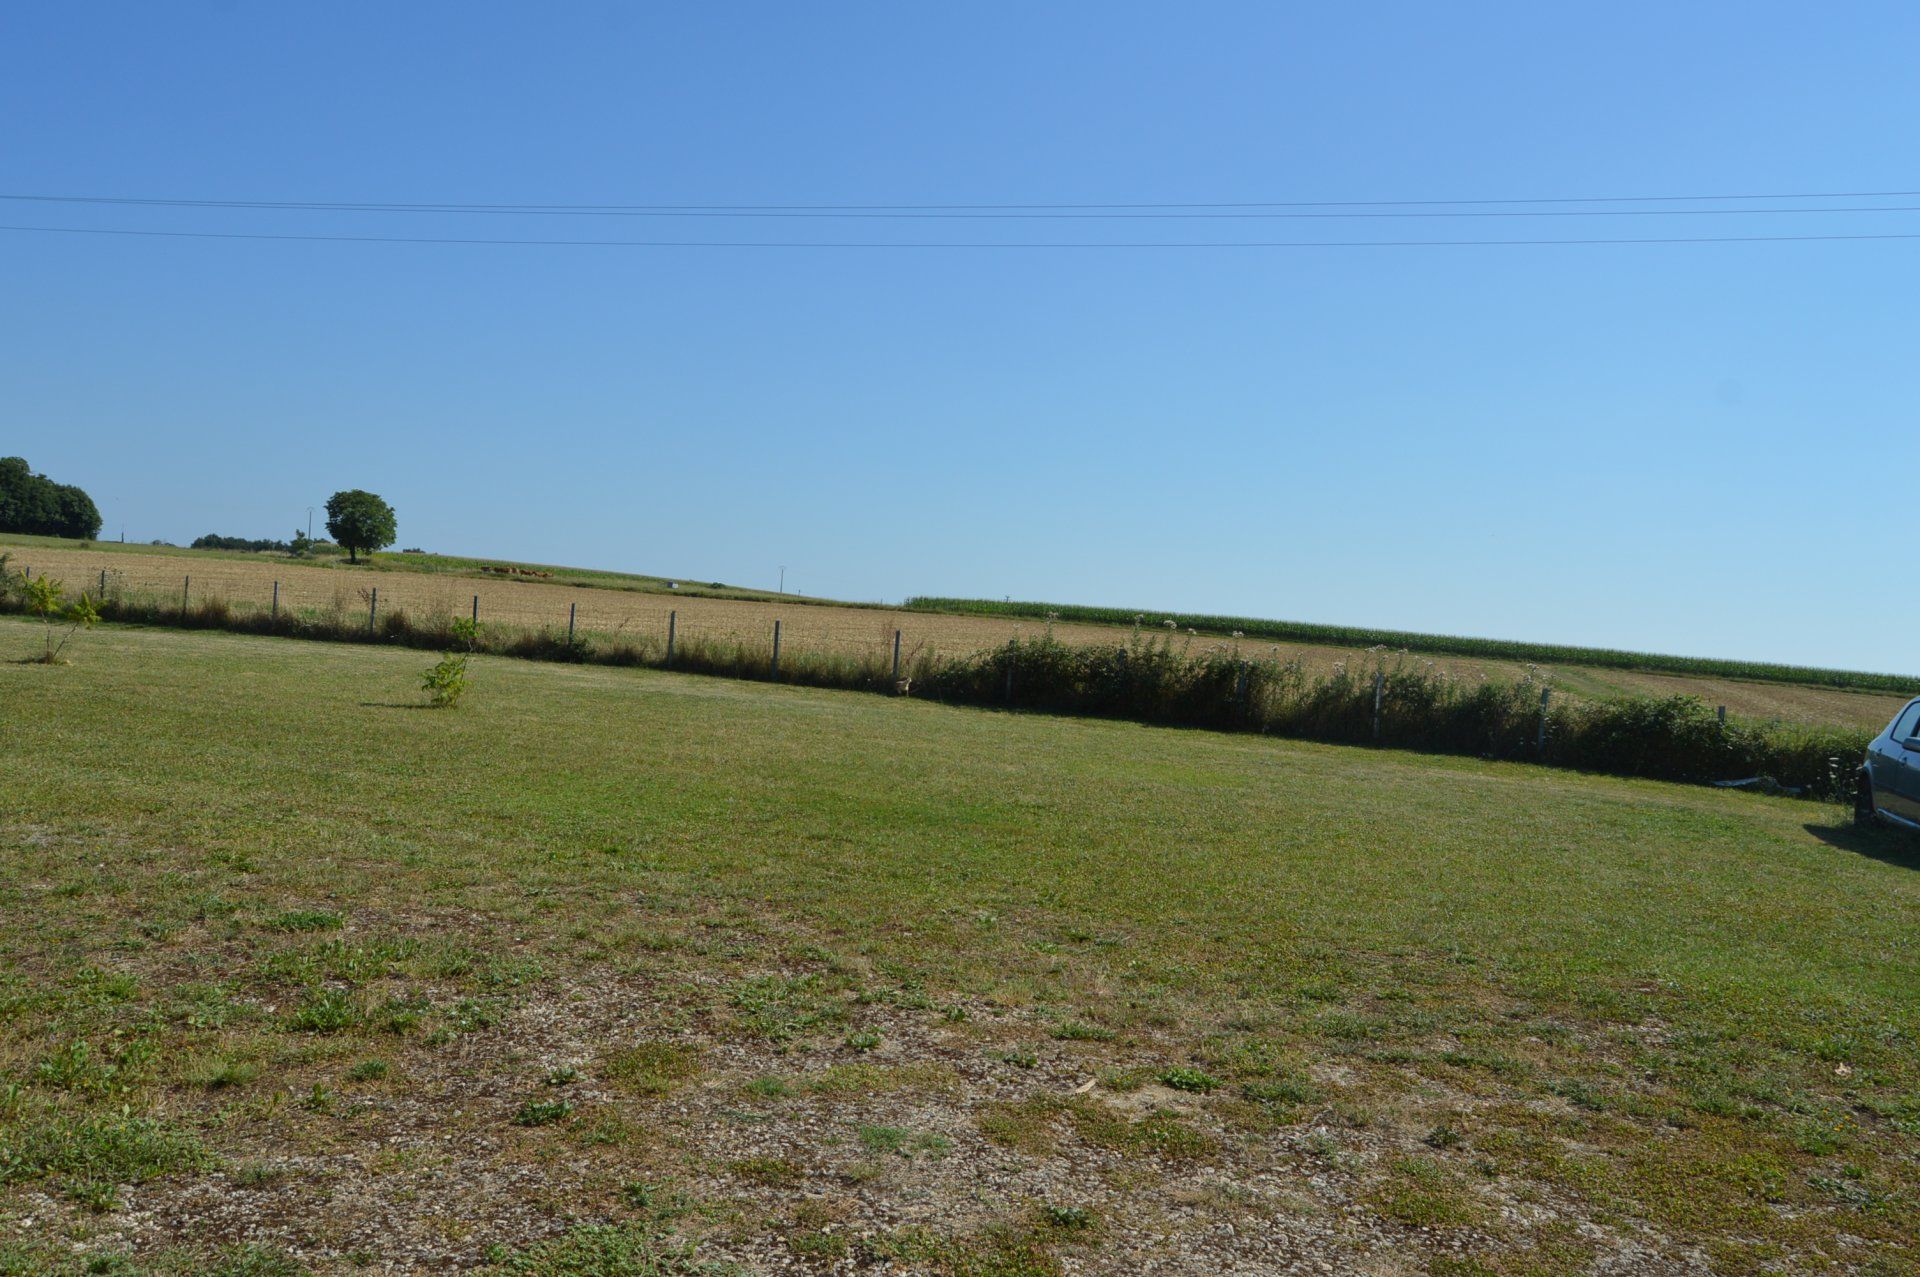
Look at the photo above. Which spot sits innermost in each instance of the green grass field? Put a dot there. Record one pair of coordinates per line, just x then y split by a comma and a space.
623, 972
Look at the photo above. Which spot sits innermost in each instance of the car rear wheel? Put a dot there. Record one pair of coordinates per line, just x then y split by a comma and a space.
1863, 799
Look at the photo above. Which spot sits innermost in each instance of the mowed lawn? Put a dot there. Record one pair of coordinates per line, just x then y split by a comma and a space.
617, 971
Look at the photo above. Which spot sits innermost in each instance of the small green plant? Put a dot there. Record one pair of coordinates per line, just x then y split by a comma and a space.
542, 1112
446, 682
1197, 1081
60, 617
864, 1040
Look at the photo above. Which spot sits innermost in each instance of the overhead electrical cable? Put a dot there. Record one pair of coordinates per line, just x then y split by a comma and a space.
946, 244
1398, 209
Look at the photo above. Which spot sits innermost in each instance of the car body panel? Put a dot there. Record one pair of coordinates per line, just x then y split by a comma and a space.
1893, 765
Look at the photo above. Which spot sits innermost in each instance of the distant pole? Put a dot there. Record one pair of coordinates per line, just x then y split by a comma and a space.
373, 607
776, 649
309, 523
572, 610
783, 578
1546, 695
1379, 695
672, 617
896, 653
276, 600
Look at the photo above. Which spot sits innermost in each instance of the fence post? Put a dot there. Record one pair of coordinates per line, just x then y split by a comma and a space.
476, 609
572, 609
373, 607
672, 618
1546, 694
896, 655
185, 584
1379, 695
103, 583
276, 600
1011, 652
1723, 716
776, 649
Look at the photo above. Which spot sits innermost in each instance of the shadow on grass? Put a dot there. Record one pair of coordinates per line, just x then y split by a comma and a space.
1888, 845
396, 705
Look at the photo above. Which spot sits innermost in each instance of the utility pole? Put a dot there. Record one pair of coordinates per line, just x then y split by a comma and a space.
783, 578
309, 523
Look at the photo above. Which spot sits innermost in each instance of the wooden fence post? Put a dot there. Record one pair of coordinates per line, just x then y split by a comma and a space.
476, 609
185, 584
572, 610
276, 600
776, 649
896, 655
672, 618
103, 583
1011, 652
1379, 695
373, 607
1546, 695
1723, 716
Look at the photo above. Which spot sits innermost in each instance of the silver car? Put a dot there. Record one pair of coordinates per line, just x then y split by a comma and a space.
1890, 782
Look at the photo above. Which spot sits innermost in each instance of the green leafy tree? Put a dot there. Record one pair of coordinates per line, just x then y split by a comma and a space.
360, 521
35, 504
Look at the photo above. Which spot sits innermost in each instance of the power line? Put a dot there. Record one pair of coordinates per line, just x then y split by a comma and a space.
1043, 212
950, 244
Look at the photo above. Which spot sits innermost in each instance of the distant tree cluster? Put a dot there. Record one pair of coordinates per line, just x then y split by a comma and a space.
35, 504
258, 545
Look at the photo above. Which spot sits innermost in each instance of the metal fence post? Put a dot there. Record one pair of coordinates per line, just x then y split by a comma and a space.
776, 649
1546, 694
1723, 716
1379, 695
672, 618
896, 654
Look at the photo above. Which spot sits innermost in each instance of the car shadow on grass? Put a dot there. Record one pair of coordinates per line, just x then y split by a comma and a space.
1891, 846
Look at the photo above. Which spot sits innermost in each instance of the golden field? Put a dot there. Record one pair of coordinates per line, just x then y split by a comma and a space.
611, 608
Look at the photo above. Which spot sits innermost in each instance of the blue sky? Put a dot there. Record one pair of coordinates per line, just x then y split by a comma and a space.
1702, 448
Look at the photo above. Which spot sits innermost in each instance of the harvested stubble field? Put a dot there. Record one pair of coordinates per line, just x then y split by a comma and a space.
624, 972
604, 607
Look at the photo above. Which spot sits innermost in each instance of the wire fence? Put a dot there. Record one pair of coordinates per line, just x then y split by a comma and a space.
654, 624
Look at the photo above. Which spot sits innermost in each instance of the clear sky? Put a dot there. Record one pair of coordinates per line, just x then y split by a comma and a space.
1706, 448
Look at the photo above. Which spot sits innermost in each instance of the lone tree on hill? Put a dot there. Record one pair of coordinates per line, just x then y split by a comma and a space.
360, 521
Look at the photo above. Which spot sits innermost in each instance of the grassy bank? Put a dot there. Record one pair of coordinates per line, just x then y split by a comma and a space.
1155, 680
1439, 644
612, 963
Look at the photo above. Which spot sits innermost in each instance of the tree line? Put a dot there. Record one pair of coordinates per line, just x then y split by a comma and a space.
35, 504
